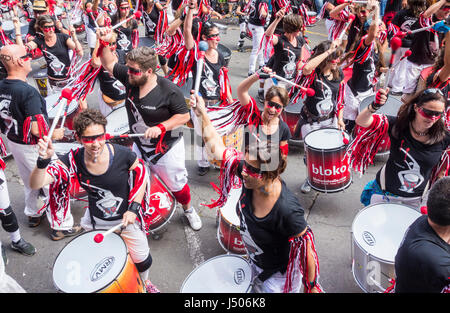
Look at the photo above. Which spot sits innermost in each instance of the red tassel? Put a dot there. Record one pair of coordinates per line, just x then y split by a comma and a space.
161, 147
391, 288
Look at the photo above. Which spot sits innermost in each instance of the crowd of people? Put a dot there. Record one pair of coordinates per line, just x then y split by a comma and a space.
142, 73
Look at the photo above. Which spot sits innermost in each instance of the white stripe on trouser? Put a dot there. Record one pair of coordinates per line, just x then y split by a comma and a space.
171, 168
328, 25
255, 56
397, 78
412, 73
352, 102
200, 152
329, 123
4, 195
25, 157
133, 235
275, 283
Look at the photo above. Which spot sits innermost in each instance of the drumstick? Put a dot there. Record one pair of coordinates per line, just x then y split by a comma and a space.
89, 12
66, 93
109, 136
309, 91
344, 139
137, 15
202, 47
351, 18
100, 236
350, 1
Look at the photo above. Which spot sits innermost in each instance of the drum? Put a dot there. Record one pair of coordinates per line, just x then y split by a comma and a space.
234, 139
78, 25
228, 231
291, 115
221, 274
312, 16
226, 53
8, 26
162, 203
41, 79
377, 232
117, 124
147, 42
389, 108
84, 266
52, 109
76, 191
328, 164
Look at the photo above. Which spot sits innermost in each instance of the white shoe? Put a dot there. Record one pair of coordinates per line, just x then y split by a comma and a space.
305, 188
194, 219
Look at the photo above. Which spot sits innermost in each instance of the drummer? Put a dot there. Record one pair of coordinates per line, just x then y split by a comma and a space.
210, 88
40, 7
151, 14
106, 172
272, 223
91, 20
324, 108
418, 139
128, 33
422, 263
56, 48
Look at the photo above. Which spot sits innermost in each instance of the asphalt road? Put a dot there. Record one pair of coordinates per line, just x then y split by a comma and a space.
180, 250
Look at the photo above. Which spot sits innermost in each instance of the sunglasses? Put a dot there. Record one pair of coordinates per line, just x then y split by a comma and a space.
92, 139
433, 90
213, 37
430, 114
272, 104
251, 171
26, 57
124, 8
134, 71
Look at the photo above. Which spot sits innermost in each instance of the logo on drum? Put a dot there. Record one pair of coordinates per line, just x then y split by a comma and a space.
368, 238
102, 268
329, 172
239, 276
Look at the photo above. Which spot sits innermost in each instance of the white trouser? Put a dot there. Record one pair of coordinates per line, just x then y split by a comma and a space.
4, 195
257, 55
200, 152
329, 123
328, 25
171, 168
25, 157
274, 284
412, 73
242, 27
7, 283
397, 78
133, 235
352, 102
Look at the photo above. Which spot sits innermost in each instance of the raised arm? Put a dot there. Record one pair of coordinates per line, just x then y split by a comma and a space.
313, 63
39, 176
187, 29
336, 11
107, 58
365, 118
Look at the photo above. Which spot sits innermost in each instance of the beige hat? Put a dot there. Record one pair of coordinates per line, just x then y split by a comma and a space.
39, 5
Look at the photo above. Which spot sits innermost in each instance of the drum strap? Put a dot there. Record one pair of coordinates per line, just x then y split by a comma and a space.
310, 118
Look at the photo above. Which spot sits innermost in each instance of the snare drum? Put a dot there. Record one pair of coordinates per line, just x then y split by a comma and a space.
41, 79
221, 274
52, 109
377, 232
84, 266
146, 42
117, 124
312, 16
228, 231
291, 115
328, 164
162, 203
389, 108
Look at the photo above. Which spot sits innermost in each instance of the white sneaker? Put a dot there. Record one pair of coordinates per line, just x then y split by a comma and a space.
194, 219
305, 188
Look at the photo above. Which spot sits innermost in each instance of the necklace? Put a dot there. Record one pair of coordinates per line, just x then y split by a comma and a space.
420, 134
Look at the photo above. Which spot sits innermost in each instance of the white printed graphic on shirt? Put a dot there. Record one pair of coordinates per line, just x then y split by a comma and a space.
289, 68
56, 65
108, 204
411, 178
149, 25
325, 106
123, 42
118, 86
5, 115
209, 84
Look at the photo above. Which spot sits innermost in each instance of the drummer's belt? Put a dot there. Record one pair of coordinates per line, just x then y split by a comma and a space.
57, 83
309, 118
110, 102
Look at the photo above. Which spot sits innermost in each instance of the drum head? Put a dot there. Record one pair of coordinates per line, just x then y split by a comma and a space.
294, 108
379, 229
64, 147
84, 266
117, 122
146, 42
228, 211
52, 109
326, 139
221, 274
389, 108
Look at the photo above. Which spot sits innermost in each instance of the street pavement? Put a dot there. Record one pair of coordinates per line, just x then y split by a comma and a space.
180, 250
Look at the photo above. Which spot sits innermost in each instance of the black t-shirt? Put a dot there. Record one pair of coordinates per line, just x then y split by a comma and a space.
107, 193
282, 134
267, 238
160, 104
57, 56
209, 82
363, 68
422, 263
406, 21
410, 163
124, 36
150, 21
254, 12
425, 45
324, 101
18, 100
286, 57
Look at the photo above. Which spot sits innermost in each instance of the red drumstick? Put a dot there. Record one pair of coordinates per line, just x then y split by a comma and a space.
407, 54
137, 15
309, 91
66, 93
100, 236
109, 136
344, 139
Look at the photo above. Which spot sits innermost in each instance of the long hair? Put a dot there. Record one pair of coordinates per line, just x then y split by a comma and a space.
406, 114
416, 7
321, 48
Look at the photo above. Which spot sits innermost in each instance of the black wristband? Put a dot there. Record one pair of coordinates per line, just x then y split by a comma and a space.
42, 163
374, 106
134, 208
